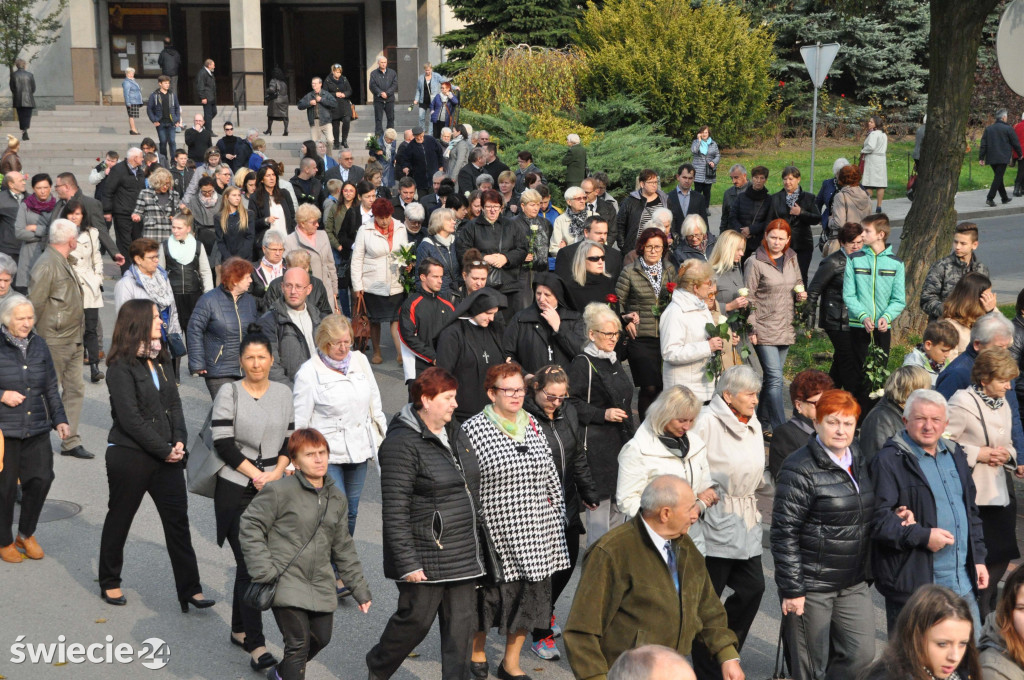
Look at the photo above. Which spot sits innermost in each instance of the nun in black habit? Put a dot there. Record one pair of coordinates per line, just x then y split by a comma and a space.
549, 331
471, 344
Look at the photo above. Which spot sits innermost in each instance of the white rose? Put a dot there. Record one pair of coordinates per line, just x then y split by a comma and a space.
743, 292
533, 227
798, 289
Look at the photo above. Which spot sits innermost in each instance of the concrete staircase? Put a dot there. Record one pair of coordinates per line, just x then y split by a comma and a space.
72, 137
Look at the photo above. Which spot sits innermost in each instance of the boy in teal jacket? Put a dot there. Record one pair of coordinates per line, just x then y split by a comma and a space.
873, 290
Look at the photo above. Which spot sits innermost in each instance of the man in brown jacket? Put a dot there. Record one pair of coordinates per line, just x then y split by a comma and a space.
645, 582
60, 317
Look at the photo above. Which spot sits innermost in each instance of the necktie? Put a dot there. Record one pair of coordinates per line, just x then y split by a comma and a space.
672, 567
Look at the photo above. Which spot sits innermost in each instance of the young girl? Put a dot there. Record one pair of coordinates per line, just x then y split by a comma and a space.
934, 638
89, 270
1002, 638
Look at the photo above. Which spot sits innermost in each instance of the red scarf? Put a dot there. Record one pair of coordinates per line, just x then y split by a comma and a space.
742, 419
389, 233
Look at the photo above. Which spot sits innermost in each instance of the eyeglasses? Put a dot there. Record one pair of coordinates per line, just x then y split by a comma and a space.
653, 249
553, 398
511, 391
595, 258
609, 334
340, 344
491, 206
653, 180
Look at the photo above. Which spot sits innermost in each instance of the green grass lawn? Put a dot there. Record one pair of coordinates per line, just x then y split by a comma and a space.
798, 152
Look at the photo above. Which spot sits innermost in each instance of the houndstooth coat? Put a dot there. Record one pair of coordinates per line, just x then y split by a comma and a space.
521, 498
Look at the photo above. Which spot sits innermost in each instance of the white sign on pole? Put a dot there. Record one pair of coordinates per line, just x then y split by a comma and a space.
1010, 46
818, 59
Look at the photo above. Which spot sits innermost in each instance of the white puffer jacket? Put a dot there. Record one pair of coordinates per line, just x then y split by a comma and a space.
374, 265
684, 344
88, 266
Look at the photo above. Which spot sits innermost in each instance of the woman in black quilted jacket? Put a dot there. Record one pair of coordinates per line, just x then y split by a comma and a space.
430, 485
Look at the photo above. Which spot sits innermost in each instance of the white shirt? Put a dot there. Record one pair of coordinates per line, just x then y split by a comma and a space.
302, 319
659, 541
276, 210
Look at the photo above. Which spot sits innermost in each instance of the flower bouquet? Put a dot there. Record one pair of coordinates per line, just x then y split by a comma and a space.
714, 368
876, 369
663, 299
406, 258
802, 315
373, 145
532, 250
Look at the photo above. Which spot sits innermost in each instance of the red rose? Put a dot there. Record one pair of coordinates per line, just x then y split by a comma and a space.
612, 299
782, 83
670, 286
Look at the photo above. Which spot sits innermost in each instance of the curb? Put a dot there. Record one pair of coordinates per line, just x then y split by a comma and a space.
978, 213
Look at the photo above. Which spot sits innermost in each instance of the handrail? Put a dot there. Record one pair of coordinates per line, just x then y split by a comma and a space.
238, 90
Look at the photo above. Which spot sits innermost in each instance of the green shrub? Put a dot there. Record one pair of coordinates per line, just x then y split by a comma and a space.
610, 113
689, 66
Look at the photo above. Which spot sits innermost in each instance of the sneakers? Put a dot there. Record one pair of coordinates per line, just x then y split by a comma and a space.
31, 547
545, 648
556, 630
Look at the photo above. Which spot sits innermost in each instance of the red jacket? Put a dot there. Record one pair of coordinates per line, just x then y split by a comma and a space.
1019, 129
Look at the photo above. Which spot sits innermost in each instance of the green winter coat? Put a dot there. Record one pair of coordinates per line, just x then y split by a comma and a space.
279, 521
873, 286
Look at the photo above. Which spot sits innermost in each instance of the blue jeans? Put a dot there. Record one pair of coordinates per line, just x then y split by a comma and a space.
771, 409
350, 478
166, 135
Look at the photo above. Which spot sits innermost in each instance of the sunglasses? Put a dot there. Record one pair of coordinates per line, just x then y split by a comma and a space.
595, 258
552, 398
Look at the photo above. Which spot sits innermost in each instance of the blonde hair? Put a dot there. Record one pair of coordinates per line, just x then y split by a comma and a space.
597, 313
239, 178
579, 261
529, 196
692, 273
307, 212
723, 255
904, 381
507, 176
160, 178
13, 143
330, 330
225, 211
677, 401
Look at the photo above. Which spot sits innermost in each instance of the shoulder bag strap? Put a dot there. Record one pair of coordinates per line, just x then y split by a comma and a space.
308, 541
981, 414
590, 384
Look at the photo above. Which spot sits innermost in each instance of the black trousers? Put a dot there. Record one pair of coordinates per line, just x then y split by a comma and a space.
1018, 183
418, 605
997, 182
382, 108
90, 336
131, 474
126, 231
560, 579
213, 385
31, 460
305, 633
860, 341
344, 123
244, 619
209, 111
746, 579
704, 188
186, 304
803, 259
24, 117
845, 372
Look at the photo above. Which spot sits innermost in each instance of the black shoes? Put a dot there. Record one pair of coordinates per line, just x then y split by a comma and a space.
78, 452
96, 374
1006, 200
479, 669
198, 604
116, 601
500, 672
267, 131
24, 135
990, 203
265, 661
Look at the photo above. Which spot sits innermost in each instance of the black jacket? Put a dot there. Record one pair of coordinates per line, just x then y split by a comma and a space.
384, 82
182, 178
169, 61
422, 160
343, 108
900, 559
215, 332
821, 523
467, 351
429, 501
884, 420
206, 87
698, 206
531, 343
260, 206
827, 286
631, 209
422, 318
287, 343
23, 89
9, 206
565, 439
467, 178
185, 279
502, 237
998, 144
751, 211
122, 188
308, 190
270, 294
1017, 350
800, 225
597, 289
566, 255
235, 241
34, 376
145, 418
788, 438
198, 142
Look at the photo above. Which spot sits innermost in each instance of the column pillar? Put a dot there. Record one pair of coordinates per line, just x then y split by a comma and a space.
85, 53
247, 48
407, 44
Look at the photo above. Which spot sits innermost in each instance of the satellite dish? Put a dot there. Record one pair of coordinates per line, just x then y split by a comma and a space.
1010, 46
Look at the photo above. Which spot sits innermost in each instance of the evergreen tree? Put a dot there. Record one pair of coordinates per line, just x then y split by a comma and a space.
540, 23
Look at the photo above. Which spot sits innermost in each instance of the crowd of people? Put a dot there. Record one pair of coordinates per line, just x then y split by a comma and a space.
524, 334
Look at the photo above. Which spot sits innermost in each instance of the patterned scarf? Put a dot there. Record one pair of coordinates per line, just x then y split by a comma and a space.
20, 343
935, 365
994, 403
157, 287
275, 270
151, 352
576, 222
516, 430
39, 207
653, 274
339, 365
792, 198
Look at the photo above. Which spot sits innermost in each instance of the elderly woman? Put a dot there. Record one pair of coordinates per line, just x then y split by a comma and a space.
568, 227
885, 419
796, 206
298, 508
590, 280
439, 244
686, 347
132, 92
705, 162
308, 238
31, 407
156, 205
145, 279
277, 101
146, 453
640, 288
832, 314
804, 392
269, 267
335, 392
980, 421
524, 509
252, 418
773, 277
235, 227
32, 226
469, 346
387, 156
851, 203
376, 278
820, 534
8, 270
696, 242
546, 332
218, 324
664, 445
732, 527
272, 208
602, 394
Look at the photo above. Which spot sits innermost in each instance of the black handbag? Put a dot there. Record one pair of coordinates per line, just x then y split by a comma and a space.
260, 596
492, 560
176, 344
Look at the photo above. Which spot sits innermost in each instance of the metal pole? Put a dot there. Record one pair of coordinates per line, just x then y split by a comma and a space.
814, 133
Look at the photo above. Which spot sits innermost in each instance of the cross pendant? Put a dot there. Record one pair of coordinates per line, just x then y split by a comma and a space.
551, 355
486, 357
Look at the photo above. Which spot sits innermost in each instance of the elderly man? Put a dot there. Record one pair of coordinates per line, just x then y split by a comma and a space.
999, 143
420, 159
124, 183
23, 89
929, 475
67, 188
651, 662
347, 170
645, 582
383, 87
291, 326
318, 295
594, 229
206, 90
568, 227
198, 139
738, 177
12, 194
432, 202
319, 107
471, 170
598, 207
406, 197
574, 160
57, 297
684, 202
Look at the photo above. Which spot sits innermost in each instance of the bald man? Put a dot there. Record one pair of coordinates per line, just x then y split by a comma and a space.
291, 325
651, 662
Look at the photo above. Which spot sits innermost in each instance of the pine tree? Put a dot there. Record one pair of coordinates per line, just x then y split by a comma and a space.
540, 23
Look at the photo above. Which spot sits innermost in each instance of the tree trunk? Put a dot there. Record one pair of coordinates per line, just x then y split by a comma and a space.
954, 39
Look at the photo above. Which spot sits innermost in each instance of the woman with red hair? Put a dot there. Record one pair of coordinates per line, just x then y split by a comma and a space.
376, 278
773, 278
805, 391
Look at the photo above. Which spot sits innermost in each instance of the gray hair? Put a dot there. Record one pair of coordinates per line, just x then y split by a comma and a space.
926, 397
1001, 114
10, 303
738, 167
991, 327
271, 236
692, 223
574, 192
597, 313
476, 155
738, 379
129, 71
297, 258
415, 212
839, 165
446, 130
640, 663
133, 151
62, 231
660, 493
317, 79
484, 177
572, 138
438, 218
579, 261
8, 265
439, 175
662, 218
677, 401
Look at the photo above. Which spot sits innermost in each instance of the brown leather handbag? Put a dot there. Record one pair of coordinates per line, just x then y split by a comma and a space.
355, 114
360, 326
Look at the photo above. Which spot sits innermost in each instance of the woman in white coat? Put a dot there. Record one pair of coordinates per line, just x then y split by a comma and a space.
686, 348
376, 277
732, 527
88, 267
335, 393
666, 445
876, 173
